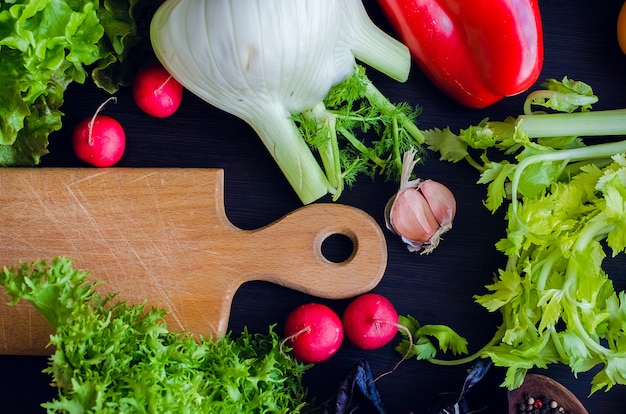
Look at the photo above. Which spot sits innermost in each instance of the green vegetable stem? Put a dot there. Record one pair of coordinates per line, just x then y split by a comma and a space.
356, 106
114, 357
566, 211
289, 70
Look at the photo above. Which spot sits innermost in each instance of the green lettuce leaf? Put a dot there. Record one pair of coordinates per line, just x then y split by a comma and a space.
127, 28
45, 45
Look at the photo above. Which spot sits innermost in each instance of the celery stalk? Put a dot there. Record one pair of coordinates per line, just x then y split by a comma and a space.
596, 123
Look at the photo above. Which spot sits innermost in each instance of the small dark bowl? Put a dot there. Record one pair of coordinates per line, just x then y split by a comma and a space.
540, 386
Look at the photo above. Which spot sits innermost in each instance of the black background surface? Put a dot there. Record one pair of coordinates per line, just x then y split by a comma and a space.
580, 43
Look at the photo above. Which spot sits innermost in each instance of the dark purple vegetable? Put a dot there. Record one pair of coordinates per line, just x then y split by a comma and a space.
476, 374
480, 393
356, 393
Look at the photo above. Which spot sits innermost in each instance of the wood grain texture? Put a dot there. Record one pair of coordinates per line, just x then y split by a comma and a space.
163, 235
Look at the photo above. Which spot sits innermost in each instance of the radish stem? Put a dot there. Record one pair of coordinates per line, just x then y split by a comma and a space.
95, 115
161, 86
306, 329
406, 354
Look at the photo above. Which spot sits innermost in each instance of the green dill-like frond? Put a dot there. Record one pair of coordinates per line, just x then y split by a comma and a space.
371, 133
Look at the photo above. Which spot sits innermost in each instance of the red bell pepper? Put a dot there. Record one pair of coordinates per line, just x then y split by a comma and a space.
476, 51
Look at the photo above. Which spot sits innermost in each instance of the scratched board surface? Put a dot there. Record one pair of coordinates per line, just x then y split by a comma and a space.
162, 235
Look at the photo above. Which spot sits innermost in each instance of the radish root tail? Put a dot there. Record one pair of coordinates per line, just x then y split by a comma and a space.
405, 356
161, 86
95, 115
293, 336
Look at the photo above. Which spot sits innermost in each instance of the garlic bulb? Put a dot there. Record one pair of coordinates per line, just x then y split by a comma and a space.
421, 211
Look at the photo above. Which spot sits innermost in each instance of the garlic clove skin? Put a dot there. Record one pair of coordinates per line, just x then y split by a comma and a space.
411, 217
421, 211
420, 214
441, 201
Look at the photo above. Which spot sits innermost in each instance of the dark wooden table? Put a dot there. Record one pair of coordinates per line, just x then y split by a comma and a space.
580, 43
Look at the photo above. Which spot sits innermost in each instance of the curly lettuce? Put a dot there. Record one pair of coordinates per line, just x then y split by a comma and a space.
116, 357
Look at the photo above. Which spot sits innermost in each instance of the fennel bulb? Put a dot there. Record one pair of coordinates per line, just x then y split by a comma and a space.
264, 61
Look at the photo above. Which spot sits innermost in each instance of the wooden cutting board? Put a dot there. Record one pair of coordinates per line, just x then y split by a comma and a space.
163, 235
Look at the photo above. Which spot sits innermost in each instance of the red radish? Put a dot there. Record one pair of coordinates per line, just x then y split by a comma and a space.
314, 332
99, 140
370, 321
156, 92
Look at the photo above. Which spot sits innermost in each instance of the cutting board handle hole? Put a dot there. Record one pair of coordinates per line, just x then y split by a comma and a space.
337, 248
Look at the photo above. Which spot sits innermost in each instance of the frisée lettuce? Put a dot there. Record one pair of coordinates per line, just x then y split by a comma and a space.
116, 357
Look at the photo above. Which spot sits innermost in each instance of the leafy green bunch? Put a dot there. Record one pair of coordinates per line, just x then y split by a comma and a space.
45, 45
120, 358
566, 210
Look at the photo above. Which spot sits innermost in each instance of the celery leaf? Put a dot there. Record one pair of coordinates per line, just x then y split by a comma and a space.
565, 206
